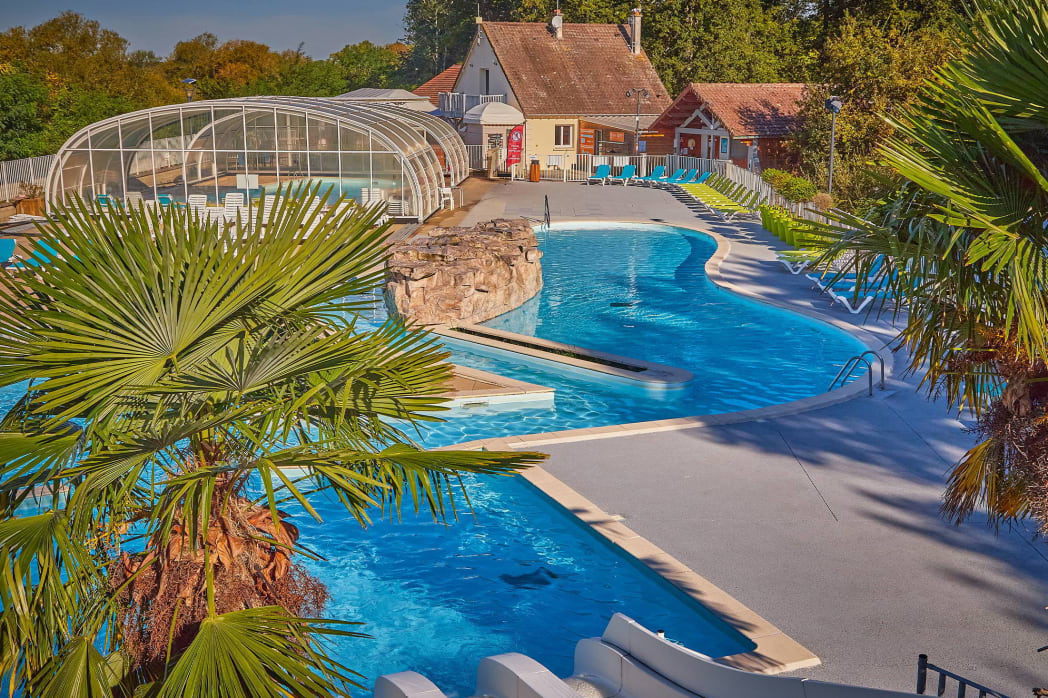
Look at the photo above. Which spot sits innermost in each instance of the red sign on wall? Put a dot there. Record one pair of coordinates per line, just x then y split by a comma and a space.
516, 145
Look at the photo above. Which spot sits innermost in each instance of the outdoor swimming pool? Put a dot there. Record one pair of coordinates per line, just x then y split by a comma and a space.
521, 574
642, 291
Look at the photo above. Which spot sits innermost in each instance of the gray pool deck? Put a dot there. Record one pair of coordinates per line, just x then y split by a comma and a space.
825, 522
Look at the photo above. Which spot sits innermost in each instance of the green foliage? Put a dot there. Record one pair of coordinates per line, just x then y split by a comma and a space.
369, 65
776, 178
171, 362
961, 245
23, 108
877, 67
791, 186
798, 189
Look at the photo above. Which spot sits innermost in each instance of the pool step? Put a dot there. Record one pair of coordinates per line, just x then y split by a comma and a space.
471, 387
653, 374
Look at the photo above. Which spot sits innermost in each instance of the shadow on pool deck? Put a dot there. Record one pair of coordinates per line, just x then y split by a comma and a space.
827, 522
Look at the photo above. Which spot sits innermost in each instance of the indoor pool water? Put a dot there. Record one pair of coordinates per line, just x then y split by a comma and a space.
351, 187
520, 574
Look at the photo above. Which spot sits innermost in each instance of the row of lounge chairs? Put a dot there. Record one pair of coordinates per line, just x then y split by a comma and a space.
716, 193
603, 175
835, 280
234, 210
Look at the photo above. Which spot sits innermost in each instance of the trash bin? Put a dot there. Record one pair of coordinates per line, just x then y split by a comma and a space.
534, 173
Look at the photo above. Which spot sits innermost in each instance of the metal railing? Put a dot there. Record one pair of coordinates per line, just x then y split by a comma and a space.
963, 684
456, 104
15, 173
853, 363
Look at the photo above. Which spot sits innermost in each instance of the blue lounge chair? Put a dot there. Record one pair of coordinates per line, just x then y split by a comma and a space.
7, 250
702, 177
676, 175
600, 175
683, 179
45, 255
656, 174
627, 174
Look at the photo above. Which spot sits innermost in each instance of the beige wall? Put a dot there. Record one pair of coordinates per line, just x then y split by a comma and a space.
482, 56
539, 139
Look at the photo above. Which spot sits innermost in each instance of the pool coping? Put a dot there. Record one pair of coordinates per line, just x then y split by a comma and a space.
507, 390
655, 374
713, 271
775, 651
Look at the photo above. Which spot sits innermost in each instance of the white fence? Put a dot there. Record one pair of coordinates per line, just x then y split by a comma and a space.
576, 167
15, 173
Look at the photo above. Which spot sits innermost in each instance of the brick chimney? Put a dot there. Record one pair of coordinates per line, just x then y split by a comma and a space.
634, 23
556, 25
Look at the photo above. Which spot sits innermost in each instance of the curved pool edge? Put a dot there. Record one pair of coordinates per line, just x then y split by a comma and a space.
775, 651
713, 271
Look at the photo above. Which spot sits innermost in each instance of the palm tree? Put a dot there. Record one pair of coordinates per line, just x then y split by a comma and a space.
962, 248
180, 382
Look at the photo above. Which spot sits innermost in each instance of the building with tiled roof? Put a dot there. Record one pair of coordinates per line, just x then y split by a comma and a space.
441, 82
743, 122
569, 81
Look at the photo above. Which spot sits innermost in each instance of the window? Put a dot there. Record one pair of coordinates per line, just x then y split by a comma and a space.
564, 136
554, 161
485, 81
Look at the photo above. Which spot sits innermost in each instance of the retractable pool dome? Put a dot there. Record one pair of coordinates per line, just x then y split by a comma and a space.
367, 150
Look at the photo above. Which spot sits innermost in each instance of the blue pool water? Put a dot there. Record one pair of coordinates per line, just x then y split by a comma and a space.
744, 354
520, 574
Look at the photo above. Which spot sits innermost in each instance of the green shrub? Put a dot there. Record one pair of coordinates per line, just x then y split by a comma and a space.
798, 189
776, 178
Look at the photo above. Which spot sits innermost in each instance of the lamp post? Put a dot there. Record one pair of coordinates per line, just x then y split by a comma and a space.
189, 85
640, 93
833, 105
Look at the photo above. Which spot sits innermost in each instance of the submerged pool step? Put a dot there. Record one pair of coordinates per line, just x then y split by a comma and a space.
654, 374
472, 388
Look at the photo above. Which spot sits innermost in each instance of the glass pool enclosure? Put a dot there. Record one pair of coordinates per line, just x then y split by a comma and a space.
369, 151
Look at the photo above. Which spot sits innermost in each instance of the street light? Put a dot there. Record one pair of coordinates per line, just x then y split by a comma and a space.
833, 105
640, 93
189, 85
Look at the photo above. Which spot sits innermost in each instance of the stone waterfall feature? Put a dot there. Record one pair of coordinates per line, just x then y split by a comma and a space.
448, 276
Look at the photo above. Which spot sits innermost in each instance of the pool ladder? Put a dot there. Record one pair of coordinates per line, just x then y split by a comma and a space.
853, 363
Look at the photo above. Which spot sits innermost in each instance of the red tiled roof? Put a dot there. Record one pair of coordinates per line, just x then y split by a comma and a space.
586, 72
442, 82
762, 109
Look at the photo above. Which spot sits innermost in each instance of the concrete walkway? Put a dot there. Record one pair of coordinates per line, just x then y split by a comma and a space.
826, 522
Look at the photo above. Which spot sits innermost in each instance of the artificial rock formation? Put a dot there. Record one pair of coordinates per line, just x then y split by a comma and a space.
464, 275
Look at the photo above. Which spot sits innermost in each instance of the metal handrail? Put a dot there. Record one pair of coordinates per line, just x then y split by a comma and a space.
923, 665
880, 359
846, 370
547, 211
851, 364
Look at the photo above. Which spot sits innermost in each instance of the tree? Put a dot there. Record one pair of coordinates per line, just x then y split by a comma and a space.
962, 246
876, 68
23, 107
440, 31
175, 372
368, 65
